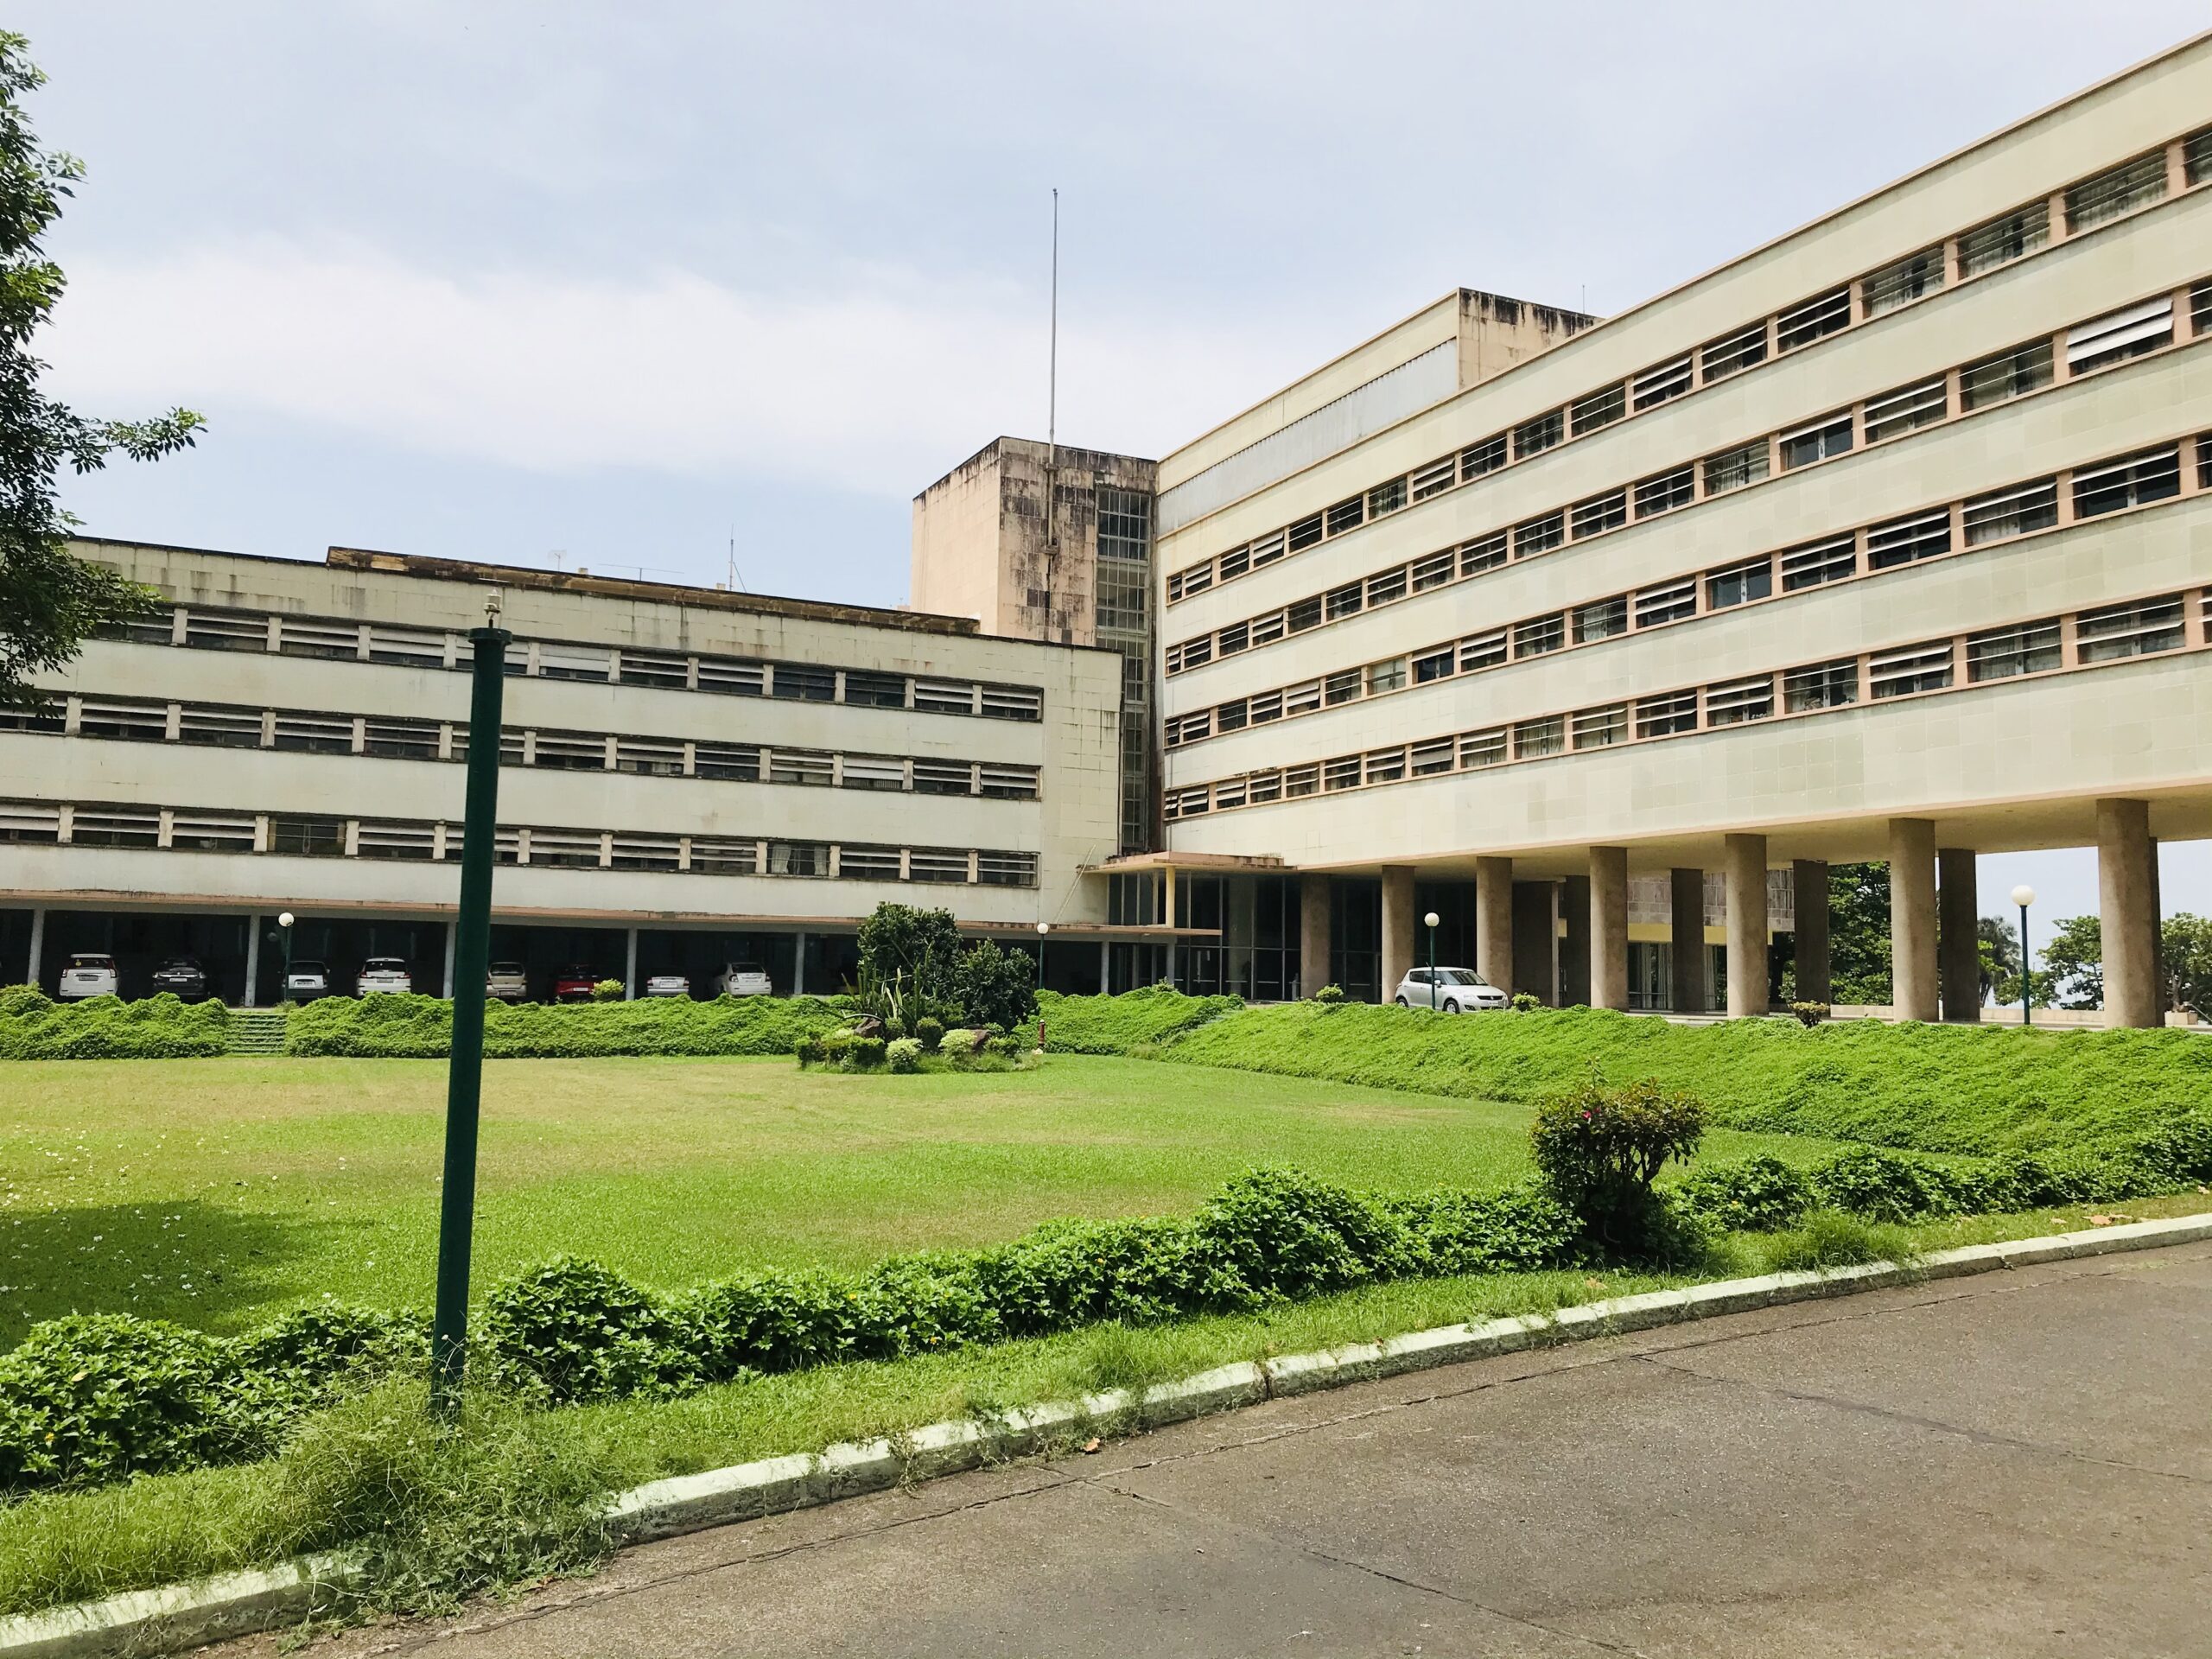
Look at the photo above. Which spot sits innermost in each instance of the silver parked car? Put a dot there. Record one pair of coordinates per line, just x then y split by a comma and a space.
742, 979
506, 982
1456, 990
380, 974
305, 980
668, 985
90, 973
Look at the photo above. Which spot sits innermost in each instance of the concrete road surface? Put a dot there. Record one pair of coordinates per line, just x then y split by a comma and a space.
2015, 1464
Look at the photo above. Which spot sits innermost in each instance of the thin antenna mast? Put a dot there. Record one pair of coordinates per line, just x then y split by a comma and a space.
1052, 372
1052, 429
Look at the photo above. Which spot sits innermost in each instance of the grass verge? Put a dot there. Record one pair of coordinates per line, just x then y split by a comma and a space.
513, 1496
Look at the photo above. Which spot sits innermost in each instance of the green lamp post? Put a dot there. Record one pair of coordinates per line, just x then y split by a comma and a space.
472, 949
1432, 918
2023, 895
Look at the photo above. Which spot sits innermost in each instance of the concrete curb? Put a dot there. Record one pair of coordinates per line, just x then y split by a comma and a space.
179, 1617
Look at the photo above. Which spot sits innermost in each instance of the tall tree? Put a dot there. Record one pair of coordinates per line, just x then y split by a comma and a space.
1859, 931
2074, 959
2000, 945
50, 600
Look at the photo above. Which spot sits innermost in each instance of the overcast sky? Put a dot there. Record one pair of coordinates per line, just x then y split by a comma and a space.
493, 280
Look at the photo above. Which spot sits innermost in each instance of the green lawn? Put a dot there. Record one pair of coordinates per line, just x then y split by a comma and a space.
216, 1191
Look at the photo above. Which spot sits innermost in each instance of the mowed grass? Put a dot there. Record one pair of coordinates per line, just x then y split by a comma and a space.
216, 1193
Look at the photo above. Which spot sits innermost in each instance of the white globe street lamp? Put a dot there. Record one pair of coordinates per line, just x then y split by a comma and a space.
1432, 918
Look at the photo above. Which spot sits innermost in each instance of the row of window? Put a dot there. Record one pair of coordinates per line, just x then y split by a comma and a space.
2090, 491
2108, 195
209, 629
2132, 331
2049, 644
296, 834
394, 737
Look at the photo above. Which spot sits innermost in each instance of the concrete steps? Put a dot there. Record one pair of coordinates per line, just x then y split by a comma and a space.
257, 1031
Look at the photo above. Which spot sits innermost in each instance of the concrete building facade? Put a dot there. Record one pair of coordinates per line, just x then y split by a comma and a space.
693, 777
1600, 639
1890, 540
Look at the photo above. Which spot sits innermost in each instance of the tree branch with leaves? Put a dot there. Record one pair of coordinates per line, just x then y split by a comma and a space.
50, 600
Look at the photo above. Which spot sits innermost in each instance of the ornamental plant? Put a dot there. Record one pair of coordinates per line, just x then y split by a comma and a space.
1600, 1148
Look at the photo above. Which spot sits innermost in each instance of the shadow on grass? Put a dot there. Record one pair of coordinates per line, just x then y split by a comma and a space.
196, 1263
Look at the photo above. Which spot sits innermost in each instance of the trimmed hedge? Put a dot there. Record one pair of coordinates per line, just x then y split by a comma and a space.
420, 1028
1944, 1089
33, 1027
88, 1399
1115, 1025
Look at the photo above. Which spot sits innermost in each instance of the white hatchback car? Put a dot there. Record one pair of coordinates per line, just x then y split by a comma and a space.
89, 974
1457, 990
381, 974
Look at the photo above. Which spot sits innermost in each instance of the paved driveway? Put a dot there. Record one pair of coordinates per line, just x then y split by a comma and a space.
2015, 1464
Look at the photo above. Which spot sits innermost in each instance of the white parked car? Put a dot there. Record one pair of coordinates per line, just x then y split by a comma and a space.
742, 979
381, 974
89, 974
667, 985
1457, 990
305, 980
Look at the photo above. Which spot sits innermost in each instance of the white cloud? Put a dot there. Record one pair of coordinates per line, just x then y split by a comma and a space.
878, 383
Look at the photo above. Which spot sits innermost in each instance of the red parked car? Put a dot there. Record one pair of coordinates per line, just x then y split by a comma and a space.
573, 984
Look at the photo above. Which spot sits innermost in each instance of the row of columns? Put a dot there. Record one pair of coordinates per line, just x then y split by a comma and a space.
1934, 909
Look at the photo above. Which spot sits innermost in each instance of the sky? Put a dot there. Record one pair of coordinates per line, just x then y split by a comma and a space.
653, 288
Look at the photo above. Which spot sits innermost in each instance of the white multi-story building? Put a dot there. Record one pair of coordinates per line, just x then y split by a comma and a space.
1601, 638
1889, 540
691, 777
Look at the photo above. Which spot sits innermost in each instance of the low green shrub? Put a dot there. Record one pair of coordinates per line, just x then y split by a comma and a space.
1757, 1195
904, 1054
1526, 1002
33, 1027
930, 1030
93, 1398
420, 1028
574, 1330
1810, 1015
1330, 994
1600, 1148
607, 990
1115, 1025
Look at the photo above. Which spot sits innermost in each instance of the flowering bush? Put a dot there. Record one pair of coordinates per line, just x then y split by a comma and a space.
1601, 1148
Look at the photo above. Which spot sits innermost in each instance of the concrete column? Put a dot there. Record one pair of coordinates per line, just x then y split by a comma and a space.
1690, 989
630, 965
1912, 919
1609, 927
1105, 966
1399, 926
1494, 922
2159, 935
1809, 877
1313, 933
798, 963
1958, 945
453, 934
1745, 861
2125, 886
252, 959
38, 947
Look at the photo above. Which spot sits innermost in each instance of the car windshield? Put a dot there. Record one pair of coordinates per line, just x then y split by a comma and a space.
511, 969
1459, 976
306, 967
384, 965
91, 962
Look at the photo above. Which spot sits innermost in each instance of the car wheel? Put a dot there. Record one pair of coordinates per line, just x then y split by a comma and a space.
1451, 1007
1403, 1003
